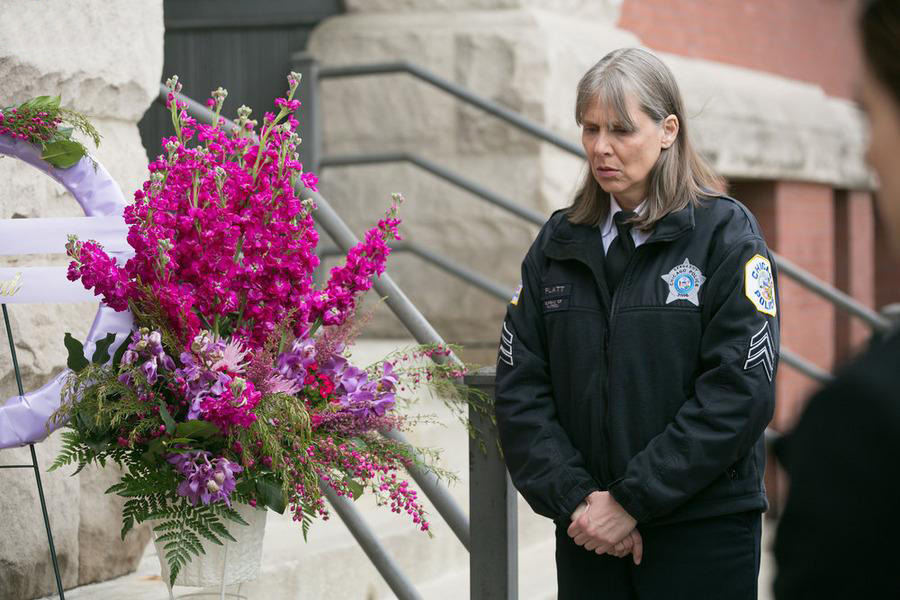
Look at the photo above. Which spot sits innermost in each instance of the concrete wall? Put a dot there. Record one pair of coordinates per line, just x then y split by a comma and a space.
104, 58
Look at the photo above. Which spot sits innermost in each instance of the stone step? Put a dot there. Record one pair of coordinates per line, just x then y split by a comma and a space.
537, 576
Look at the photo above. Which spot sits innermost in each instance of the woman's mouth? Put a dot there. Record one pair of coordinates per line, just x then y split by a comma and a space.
606, 172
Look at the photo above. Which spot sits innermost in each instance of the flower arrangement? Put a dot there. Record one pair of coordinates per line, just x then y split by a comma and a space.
43, 122
234, 385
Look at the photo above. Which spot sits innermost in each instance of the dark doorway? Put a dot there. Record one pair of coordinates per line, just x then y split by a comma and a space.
242, 46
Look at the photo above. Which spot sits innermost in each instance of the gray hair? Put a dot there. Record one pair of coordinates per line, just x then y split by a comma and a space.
680, 175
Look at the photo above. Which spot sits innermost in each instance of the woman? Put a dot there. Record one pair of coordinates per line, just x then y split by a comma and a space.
635, 374
839, 536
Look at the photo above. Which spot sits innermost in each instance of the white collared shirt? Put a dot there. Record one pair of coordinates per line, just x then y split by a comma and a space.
609, 228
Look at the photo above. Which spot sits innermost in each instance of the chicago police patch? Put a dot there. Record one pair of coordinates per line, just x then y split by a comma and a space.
684, 283
759, 284
515, 297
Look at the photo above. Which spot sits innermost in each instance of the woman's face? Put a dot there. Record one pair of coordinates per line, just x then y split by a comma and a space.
884, 151
621, 157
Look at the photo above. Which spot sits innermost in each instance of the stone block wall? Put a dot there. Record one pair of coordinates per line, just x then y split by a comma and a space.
104, 58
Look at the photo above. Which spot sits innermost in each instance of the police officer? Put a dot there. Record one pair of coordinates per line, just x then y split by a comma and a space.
636, 369
839, 534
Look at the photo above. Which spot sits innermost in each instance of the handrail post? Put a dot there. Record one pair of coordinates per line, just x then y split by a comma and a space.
493, 555
310, 117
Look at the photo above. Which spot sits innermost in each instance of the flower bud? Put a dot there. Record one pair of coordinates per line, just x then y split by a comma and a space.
212, 486
238, 385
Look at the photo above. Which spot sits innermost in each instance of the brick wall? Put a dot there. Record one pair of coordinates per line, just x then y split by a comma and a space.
887, 270
808, 40
798, 221
854, 266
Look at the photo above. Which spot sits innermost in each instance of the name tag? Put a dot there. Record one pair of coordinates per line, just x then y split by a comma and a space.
554, 304
559, 289
556, 297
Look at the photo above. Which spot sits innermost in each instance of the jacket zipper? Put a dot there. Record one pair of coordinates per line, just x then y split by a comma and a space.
607, 463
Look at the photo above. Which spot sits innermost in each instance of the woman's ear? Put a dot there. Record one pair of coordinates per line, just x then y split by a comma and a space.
670, 130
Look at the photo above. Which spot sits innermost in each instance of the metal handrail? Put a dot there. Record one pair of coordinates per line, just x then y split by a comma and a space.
362, 533
501, 112
801, 276
804, 366
480, 281
427, 482
343, 236
444, 173
471, 277
840, 299
421, 330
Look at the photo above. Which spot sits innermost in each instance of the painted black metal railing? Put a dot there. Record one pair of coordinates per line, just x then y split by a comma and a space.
314, 73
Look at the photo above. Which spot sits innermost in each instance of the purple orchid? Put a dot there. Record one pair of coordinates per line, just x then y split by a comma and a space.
205, 481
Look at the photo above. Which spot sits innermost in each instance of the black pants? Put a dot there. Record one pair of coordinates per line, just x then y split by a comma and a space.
706, 559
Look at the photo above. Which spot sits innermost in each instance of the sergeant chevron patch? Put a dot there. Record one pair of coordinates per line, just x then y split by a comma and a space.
506, 341
761, 352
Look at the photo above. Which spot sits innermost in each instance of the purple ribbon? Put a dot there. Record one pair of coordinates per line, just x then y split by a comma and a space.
25, 419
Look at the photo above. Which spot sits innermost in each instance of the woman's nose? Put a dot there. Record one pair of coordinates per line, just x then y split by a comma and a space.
602, 146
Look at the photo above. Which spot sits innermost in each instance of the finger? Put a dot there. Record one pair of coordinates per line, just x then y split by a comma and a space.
579, 510
591, 545
604, 548
574, 529
619, 549
637, 550
581, 539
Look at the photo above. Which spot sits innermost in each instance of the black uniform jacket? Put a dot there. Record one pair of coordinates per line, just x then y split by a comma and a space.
838, 536
659, 393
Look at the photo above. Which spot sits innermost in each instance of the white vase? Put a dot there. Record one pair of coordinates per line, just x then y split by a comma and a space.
228, 564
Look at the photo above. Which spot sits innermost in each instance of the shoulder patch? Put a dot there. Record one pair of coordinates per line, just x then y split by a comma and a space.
759, 284
515, 297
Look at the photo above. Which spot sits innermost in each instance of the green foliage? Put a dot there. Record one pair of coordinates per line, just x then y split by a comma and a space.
269, 491
101, 352
284, 458
179, 525
76, 361
55, 138
63, 153
47, 104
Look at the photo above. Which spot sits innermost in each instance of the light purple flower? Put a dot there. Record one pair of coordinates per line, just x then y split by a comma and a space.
205, 481
149, 370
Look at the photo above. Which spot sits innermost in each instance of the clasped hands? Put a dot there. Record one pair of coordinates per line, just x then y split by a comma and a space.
601, 525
